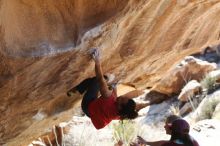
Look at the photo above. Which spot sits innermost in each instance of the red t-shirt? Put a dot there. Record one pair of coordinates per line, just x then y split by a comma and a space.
103, 110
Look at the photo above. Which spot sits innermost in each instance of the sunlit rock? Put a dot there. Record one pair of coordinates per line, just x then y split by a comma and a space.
44, 51
216, 113
189, 69
206, 132
189, 90
216, 75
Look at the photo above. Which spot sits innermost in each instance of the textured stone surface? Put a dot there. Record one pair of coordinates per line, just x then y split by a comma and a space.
189, 90
44, 44
206, 132
208, 108
216, 113
178, 76
216, 75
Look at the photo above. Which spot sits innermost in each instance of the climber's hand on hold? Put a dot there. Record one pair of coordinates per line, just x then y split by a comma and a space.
95, 55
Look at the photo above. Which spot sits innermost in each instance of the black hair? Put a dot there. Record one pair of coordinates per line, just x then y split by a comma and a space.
172, 118
128, 110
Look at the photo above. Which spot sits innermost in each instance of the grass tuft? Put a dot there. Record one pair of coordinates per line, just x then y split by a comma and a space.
207, 108
125, 131
209, 83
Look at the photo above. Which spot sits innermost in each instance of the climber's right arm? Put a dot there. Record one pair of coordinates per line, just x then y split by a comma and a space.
105, 92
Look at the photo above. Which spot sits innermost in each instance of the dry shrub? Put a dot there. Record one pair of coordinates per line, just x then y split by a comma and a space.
126, 131
208, 83
207, 108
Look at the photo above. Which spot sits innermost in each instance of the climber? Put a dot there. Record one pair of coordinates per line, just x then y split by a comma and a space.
178, 128
102, 110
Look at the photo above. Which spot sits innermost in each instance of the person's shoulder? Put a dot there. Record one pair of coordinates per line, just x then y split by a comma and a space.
195, 143
167, 143
170, 143
161, 142
158, 143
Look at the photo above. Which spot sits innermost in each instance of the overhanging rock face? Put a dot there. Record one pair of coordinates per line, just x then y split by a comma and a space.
35, 28
44, 44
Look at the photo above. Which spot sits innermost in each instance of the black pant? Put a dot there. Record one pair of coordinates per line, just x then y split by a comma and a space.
91, 87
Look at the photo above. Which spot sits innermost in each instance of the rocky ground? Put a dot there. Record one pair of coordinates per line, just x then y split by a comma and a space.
150, 126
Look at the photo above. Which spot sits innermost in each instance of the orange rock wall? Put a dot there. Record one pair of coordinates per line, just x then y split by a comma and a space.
44, 44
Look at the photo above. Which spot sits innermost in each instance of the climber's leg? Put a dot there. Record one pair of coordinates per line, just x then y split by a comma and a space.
81, 88
90, 95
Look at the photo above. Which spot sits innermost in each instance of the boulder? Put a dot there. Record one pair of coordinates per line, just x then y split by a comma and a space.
216, 113
187, 108
206, 132
208, 108
189, 69
210, 54
154, 97
189, 90
216, 48
54, 137
215, 74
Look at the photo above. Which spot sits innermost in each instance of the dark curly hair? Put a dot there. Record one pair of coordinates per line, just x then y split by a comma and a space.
128, 110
